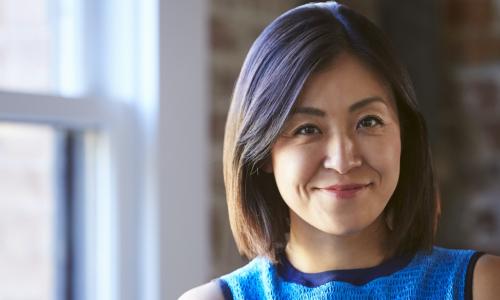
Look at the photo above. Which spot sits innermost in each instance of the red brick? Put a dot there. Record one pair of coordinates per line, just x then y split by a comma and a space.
218, 122
487, 94
469, 13
493, 133
223, 81
474, 49
221, 36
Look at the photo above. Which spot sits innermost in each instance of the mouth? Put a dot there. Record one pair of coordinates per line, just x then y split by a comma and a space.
345, 191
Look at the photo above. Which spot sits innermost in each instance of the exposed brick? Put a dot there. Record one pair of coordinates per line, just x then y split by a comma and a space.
224, 80
218, 122
235, 25
223, 3
475, 49
221, 36
469, 13
368, 8
217, 176
487, 221
487, 94
469, 39
493, 134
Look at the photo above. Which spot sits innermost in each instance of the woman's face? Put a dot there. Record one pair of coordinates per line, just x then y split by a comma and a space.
336, 163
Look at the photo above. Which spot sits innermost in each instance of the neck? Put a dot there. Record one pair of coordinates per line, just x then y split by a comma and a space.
312, 251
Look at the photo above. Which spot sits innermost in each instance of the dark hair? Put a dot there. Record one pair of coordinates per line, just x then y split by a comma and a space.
294, 46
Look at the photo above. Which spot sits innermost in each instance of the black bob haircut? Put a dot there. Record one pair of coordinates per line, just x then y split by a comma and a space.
297, 44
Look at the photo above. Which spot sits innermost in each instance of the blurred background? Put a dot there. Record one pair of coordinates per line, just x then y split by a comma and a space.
112, 117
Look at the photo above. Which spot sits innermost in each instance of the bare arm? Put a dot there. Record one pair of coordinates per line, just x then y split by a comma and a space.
208, 291
486, 280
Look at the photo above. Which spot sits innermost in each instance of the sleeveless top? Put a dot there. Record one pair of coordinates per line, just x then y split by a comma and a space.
438, 274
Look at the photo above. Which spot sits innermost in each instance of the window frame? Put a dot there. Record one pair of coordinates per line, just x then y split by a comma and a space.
136, 190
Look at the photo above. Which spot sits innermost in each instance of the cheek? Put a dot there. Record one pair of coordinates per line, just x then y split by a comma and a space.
384, 156
293, 167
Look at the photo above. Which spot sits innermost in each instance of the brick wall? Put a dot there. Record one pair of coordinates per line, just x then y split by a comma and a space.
234, 26
472, 47
462, 108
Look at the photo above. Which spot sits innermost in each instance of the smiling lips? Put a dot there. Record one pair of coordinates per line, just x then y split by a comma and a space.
345, 191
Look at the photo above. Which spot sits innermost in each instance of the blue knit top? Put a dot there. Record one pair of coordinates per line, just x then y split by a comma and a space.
439, 274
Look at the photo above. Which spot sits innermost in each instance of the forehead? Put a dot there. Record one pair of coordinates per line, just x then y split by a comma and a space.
345, 81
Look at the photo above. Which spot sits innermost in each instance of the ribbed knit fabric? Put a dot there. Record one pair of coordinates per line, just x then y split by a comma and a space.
437, 275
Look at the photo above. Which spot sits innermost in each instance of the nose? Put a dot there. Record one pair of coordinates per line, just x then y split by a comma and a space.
341, 154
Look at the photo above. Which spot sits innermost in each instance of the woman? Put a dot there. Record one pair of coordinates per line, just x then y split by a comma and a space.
328, 172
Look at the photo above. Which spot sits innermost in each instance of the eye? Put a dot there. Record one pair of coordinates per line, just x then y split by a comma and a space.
370, 122
307, 129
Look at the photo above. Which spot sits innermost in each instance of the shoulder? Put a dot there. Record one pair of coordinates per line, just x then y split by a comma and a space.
208, 291
486, 280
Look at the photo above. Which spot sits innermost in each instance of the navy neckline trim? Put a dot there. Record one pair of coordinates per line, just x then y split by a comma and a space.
353, 276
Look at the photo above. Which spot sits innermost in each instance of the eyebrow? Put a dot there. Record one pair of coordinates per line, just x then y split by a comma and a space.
320, 113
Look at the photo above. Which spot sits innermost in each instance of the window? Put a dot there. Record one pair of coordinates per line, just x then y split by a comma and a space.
27, 211
31, 255
25, 45
115, 205
60, 160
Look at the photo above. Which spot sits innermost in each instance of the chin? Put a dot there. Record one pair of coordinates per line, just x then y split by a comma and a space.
344, 231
